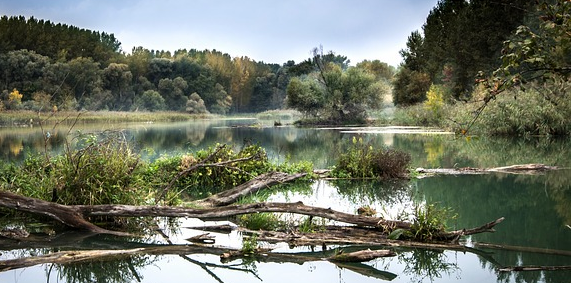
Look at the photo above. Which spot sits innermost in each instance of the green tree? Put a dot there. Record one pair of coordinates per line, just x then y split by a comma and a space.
117, 79
223, 101
173, 93
333, 94
380, 70
195, 104
410, 87
150, 100
540, 51
84, 78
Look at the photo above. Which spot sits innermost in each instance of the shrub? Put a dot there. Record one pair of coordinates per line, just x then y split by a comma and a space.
361, 160
261, 221
97, 172
428, 221
538, 110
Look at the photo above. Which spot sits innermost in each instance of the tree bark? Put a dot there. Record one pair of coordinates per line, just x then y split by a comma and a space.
73, 215
260, 182
65, 214
512, 169
361, 256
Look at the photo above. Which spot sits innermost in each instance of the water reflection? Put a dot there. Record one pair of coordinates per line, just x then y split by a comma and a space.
537, 208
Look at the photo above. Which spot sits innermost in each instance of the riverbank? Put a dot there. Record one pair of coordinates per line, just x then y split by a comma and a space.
27, 118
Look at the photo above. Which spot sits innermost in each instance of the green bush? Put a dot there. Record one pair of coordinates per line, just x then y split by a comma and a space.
428, 221
361, 160
98, 172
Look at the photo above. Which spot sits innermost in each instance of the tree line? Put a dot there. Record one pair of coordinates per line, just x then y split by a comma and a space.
44, 66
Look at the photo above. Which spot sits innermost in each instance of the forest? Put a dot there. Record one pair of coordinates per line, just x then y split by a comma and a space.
467, 51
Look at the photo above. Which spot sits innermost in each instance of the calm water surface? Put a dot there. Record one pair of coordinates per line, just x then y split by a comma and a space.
537, 208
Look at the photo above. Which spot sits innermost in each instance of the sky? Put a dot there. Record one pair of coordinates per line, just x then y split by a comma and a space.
272, 31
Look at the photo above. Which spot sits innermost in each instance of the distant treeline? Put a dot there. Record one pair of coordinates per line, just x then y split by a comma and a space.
43, 64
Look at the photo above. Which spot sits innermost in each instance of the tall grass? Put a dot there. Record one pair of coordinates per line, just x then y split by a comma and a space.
16, 118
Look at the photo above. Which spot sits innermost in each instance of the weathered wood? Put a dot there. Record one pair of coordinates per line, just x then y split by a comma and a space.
455, 235
233, 210
534, 268
532, 168
205, 238
73, 215
65, 214
361, 256
523, 249
260, 182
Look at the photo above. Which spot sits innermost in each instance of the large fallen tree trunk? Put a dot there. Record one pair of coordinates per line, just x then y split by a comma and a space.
73, 215
79, 256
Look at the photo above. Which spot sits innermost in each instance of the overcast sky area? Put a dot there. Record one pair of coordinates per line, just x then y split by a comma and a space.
264, 30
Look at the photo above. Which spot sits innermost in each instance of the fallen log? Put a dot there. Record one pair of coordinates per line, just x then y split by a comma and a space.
532, 168
65, 214
73, 215
260, 182
361, 256
534, 268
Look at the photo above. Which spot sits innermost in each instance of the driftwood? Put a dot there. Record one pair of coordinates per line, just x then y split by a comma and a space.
79, 256
261, 182
361, 256
534, 268
73, 215
512, 169
67, 215
523, 249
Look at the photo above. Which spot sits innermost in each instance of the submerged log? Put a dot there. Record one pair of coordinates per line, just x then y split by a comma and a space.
73, 215
534, 268
65, 214
361, 256
532, 168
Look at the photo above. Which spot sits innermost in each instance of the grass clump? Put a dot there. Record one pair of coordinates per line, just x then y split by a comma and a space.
361, 160
99, 171
250, 245
428, 222
261, 221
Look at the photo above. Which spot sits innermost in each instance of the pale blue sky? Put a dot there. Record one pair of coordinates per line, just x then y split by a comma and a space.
264, 30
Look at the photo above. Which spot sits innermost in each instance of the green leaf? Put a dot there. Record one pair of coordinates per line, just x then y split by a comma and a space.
395, 235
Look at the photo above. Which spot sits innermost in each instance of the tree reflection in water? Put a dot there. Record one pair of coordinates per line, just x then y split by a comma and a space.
421, 264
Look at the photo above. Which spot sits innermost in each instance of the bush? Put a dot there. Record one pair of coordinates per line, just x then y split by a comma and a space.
538, 110
361, 160
98, 172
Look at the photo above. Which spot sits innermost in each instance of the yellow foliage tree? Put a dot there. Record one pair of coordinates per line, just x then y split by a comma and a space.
15, 97
435, 100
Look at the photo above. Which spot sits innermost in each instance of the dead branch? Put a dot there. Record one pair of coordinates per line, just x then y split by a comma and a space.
73, 215
361, 256
523, 249
512, 169
65, 214
203, 163
534, 268
263, 181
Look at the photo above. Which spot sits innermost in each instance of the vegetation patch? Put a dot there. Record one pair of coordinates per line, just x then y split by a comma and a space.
362, 160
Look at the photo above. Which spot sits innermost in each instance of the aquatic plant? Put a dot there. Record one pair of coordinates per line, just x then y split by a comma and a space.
361, 160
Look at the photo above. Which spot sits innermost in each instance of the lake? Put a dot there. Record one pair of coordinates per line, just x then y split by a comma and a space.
537, 208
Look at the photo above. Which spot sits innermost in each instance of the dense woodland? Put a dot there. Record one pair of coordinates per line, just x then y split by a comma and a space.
56, 64
463, 44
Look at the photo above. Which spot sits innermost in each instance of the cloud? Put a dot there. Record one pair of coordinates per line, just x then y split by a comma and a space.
270, 31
